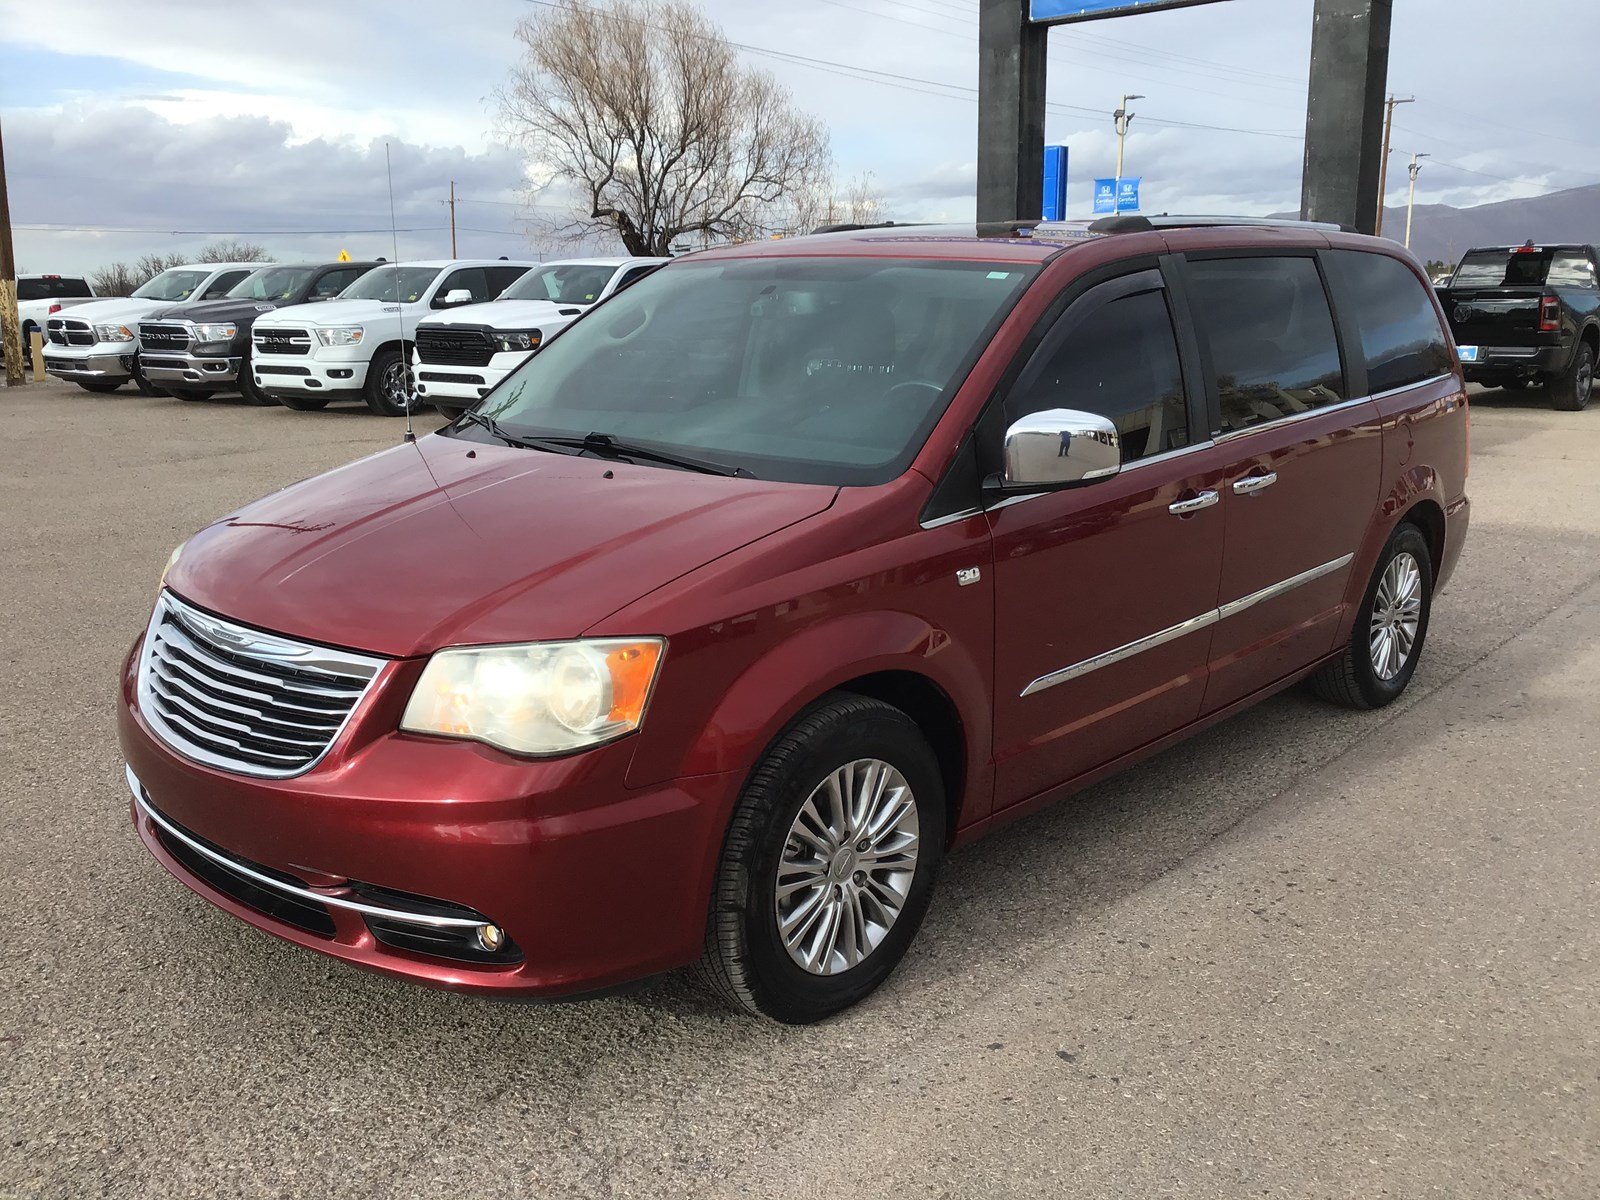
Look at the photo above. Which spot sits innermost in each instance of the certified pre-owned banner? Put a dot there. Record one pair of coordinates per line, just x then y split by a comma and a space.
1057, 11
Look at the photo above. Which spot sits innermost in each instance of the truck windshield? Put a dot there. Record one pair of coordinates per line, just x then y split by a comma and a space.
825, 370
403, 284
1503, 268
51, 287
176, 284
272, 283
569, 284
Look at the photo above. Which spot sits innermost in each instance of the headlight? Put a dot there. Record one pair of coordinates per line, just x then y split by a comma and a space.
341, 335
516, 339
172, 561
541, 698
215, 333
113, 333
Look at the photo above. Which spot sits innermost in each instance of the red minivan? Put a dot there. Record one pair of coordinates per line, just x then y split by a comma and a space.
709, 632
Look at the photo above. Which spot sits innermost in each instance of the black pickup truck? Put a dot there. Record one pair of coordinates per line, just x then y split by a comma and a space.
1528, 314
200, 349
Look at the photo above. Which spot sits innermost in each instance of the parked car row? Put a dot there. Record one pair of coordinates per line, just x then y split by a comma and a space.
40, 297
394, 335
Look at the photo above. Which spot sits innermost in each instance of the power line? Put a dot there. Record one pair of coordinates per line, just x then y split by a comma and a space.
219, 232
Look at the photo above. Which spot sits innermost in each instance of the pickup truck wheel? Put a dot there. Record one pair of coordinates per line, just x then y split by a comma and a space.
1570, 391
389, 385
192, 393
306, 403
449, 412
143, 384
100, 388
247, 386
828, 865
1390, 628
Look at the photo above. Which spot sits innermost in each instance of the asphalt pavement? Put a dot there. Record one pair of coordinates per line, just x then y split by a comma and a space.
1310, 953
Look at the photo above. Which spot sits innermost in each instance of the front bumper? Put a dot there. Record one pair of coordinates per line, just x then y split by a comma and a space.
437, 381
309, 374
190, 370
91, 364
595, 885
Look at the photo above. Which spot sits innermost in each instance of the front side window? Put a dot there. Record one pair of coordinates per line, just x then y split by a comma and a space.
175, 285
223, 284
468, 279
1119, 362
500, 278
271, 283
825, 370
394, 284
572, 283
1400, 331
334, 282
1274, 353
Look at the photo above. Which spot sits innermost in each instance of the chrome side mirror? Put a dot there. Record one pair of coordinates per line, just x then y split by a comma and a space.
1060, 446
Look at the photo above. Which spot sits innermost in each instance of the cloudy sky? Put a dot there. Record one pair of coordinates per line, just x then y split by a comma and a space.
161, 125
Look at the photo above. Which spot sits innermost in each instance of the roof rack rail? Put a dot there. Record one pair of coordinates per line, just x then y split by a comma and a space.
851, 227
1135, 224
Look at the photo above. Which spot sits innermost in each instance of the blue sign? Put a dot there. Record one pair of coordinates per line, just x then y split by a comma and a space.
1105, 195
1058, 11
1117, 195
1055, 183
1128, 194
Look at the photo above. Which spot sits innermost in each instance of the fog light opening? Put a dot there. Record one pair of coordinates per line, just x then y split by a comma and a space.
490, 938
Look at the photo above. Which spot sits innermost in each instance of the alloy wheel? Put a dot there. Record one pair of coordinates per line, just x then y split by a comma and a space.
847, 866
1396, 616
1585, 381
396, 386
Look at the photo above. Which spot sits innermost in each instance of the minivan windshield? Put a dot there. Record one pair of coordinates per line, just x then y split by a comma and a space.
405, 284
175, 284
810, 370
272, 283
572, 283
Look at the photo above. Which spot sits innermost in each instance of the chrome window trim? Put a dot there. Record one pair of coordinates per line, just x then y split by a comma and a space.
1406, 387
335, 663
1172, 632
277, 885
1293, 418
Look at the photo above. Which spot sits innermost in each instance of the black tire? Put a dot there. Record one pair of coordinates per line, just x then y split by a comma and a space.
382, 381
449, 412
1353, 681
1570, 391
309, 402
745, 961
143, 384
1515, 384
192, 393
99, 388
247, 385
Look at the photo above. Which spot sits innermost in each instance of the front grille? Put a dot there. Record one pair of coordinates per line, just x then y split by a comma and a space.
159, 335
242, 700
454, 347
281, 341
63, 332
299, 911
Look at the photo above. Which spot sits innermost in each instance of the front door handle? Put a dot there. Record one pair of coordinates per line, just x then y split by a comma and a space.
1255, 483
1182, 508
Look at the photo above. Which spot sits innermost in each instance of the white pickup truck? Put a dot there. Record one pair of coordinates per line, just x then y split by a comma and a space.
40, 297
356, 347
461, 354
96, 345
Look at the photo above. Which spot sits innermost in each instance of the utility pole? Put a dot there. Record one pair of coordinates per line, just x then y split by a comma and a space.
1122, 118
1411, 199
1383, 167
8, 285
453, 219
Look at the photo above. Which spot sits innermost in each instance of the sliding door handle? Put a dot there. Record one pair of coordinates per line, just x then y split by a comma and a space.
1254, 483
1193, 504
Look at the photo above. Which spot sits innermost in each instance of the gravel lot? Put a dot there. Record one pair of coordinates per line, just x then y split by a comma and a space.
1310, 953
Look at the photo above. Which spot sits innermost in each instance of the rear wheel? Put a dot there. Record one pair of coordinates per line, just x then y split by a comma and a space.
304, 403
389, 385
1390, 628
1570, 391
829, 863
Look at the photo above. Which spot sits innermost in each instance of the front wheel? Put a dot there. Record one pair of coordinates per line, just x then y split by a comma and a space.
309, 402
143, 384
829, 863
1570, 391
450, 412
1390, 628
389, 385
247, 385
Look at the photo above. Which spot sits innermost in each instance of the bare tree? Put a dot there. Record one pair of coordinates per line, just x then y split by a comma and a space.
643, 109
231, 250
864, 202
116, 279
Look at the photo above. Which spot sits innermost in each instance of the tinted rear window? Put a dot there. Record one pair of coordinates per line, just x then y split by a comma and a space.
1400, 331
52, 288
1506, 268
1273, 349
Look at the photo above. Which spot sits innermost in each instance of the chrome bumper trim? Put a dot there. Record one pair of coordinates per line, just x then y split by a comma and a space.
188, 368
277, 885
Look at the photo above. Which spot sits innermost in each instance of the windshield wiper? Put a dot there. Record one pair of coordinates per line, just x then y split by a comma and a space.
496, 430
607, 444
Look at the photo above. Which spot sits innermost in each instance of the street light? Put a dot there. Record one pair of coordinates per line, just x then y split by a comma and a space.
1411, 199
1122, 118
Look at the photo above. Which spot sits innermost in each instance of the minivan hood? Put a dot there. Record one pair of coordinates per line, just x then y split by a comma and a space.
508, 314
452, 542
334, 312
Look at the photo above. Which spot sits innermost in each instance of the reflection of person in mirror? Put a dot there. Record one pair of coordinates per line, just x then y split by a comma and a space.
1066, 444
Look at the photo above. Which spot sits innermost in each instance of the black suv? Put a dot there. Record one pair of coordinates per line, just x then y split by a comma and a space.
198, 350
1528, 314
